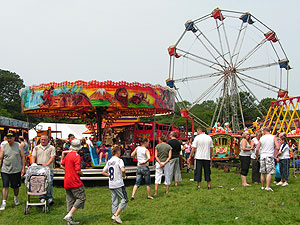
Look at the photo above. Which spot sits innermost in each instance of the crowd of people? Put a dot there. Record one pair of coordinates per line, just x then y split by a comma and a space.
263, 152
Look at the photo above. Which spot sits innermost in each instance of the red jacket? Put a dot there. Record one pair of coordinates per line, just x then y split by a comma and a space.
72, 165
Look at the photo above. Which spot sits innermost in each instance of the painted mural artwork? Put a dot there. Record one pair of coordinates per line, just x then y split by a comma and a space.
119, 95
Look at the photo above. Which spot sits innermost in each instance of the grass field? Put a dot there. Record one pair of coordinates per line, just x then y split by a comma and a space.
184, 205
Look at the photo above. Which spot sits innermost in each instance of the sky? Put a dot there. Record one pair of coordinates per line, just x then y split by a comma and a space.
58, 40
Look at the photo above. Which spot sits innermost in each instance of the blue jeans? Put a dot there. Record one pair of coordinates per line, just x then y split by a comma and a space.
143, 171
284, 169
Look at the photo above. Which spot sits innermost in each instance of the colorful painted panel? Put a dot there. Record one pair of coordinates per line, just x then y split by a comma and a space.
222, 146
67, 96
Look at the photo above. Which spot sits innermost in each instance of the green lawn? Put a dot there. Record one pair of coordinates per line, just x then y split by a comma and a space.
184, 205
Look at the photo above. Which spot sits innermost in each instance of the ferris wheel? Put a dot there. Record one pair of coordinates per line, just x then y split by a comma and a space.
222, 54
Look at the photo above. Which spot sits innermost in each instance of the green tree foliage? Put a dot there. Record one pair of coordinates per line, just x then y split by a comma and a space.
10, 101
10, 84
205, 111
265, 104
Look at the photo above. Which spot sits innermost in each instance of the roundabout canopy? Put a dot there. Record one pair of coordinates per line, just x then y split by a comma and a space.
95, 100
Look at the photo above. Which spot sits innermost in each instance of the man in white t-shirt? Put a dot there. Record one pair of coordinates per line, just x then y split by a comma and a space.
267, 144
204, 149
115, 170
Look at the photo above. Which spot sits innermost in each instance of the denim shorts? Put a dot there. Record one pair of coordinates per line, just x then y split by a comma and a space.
143, 171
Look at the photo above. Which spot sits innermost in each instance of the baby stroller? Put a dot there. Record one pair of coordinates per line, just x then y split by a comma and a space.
37, 181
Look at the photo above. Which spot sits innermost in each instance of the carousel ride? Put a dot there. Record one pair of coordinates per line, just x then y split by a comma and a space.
94, 101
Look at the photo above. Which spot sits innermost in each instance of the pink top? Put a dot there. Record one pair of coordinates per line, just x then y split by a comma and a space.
187, 148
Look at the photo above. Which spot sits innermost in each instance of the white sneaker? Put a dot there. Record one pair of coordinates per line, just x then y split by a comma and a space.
262, 188
285, 184
113, 217
118, 219
2, 207
16, 200
269, 189
42, 200
279, 183
70, 220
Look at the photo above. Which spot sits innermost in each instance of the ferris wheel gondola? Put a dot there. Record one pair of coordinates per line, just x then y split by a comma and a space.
223, 54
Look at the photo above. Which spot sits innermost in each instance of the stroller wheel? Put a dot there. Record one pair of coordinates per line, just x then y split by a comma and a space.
46, 209
26, 211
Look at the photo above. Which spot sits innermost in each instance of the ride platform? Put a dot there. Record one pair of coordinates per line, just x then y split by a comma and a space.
95, 174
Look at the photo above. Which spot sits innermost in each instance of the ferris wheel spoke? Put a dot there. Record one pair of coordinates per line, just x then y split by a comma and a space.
211, 44
224, 98
206, 92
216, 109
202, 60
208, 50
239, 101
251, 92
249, 54
199, 77
236, 55
220, 40
255, 98
203, 64
257, 67
260, 83
227, 43
196, 117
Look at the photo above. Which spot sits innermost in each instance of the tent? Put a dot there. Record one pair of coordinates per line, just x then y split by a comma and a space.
64, 128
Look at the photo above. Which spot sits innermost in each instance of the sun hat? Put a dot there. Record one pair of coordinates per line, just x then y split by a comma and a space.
98, 143
75, 145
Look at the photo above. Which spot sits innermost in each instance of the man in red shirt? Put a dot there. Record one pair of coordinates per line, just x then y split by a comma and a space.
75, 194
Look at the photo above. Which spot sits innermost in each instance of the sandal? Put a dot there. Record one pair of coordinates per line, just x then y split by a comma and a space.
149, 197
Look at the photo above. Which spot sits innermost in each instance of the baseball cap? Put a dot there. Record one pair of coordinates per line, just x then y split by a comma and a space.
10, 134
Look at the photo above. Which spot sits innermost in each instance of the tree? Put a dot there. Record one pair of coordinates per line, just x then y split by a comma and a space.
10, 101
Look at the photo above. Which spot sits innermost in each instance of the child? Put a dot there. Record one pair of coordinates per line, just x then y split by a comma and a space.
283, 157
101, 151
143, 156
115, 169
187, 151
75, 194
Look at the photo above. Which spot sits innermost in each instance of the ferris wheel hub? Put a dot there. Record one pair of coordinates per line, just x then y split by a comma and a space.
229, 71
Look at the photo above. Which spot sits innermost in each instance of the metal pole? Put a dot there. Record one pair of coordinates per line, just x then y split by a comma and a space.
154, 136
99, 123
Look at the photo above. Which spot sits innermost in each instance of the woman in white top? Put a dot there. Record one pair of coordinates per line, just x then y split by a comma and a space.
143, 156
246, 147
254, 160
283, 157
